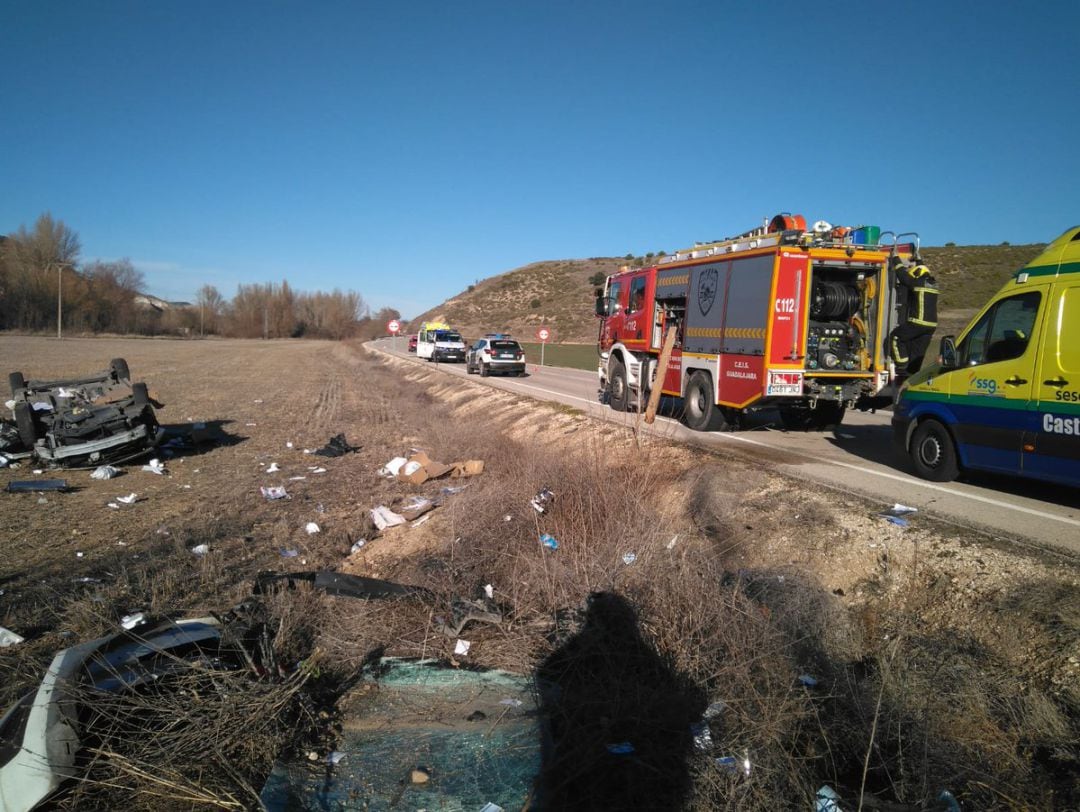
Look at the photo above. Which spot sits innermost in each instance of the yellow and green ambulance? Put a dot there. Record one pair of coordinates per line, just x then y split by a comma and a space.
1005, 397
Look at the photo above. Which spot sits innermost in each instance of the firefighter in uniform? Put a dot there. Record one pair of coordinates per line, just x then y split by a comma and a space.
918, 317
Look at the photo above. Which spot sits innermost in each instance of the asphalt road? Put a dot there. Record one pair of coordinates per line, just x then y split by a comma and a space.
857, 457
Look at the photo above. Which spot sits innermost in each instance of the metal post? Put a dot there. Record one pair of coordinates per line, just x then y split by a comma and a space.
202, 334
542, 345
59, 300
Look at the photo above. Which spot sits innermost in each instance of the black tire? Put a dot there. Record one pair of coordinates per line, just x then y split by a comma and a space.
933, 452
829, 413
140, 395
17, 382
484, 370
699, 411
620, 392
26, 424
120, 369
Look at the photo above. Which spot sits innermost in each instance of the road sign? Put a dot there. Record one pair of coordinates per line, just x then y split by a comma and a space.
543, 333
394, 326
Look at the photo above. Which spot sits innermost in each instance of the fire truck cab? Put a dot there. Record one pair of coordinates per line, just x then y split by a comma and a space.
780, 317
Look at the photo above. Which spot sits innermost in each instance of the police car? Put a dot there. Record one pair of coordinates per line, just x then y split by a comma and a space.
495, 354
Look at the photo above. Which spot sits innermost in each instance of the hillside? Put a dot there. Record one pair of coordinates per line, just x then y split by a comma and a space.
559, 294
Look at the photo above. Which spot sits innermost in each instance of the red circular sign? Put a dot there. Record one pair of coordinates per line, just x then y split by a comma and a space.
394, 326
543, 333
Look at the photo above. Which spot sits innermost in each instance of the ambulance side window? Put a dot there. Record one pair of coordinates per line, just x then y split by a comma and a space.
1003, 333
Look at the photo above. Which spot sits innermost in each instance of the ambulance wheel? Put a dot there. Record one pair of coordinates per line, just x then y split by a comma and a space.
699, 411
17, 382
933, 452
620, 393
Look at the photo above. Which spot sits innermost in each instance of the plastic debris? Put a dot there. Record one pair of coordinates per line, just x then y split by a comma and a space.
318, 470
549, 541
274, 492
337, 446
130, 499
511, 702
702, 736
105, 472
949, 801
490, 807
808, 680
311, 528
9, 638
4, 461
508, 518
420, 521
132, 620
288, 553
273, 469
392, 468
461, 647
155, 466
34, 485
897, 520
714, 710
900, 510
296, 478
671, 544
288, 444
383, 517
257, 401
335, 757
543, 500
620, 749
489, 591
827, 800
200, 549
629, 558
450, 490
112, 505
357, 545
845, 436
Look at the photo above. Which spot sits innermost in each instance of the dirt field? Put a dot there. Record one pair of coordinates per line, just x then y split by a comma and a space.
937, 662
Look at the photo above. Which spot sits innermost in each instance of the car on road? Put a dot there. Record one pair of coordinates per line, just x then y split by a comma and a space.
412, 341
495, 354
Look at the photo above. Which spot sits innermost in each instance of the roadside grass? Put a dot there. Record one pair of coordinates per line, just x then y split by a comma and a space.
680, 594
574, 356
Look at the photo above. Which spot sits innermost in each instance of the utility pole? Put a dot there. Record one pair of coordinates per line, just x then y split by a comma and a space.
202, 334
59, 299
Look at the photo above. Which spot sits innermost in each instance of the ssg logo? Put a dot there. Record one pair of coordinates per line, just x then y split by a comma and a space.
982, 386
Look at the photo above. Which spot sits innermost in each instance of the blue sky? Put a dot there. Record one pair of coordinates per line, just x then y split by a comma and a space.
404, 150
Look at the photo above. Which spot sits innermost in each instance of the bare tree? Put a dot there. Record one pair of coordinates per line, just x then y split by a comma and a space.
211, 306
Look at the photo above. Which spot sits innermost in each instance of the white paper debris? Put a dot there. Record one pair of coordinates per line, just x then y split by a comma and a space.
276, 492
273, 469
489, 590
671, 544
132, 620
629, 558
357, 545
200, 549
127, 500
462, 647
113, 505
311, 528
105, 472
155, 466
421, 520
384, 517
392, 468
288, 444
9, 638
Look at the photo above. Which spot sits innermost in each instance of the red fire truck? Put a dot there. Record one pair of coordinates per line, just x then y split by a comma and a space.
781, 317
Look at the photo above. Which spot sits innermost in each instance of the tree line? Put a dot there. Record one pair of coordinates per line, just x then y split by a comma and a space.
42, 279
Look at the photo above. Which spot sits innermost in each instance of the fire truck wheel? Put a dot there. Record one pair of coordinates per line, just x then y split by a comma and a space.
933, 452
620, 394
699, 410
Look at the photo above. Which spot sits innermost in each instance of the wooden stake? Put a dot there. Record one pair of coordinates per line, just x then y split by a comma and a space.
661, 373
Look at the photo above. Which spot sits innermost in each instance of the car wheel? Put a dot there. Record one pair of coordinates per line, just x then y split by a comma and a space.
484, 371
140, 394
620, 392
699, 411
120, 369
468, 367
17, 382
934, 453
26, 423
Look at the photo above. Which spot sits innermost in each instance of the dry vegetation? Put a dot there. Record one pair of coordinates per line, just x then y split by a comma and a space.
940, 662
